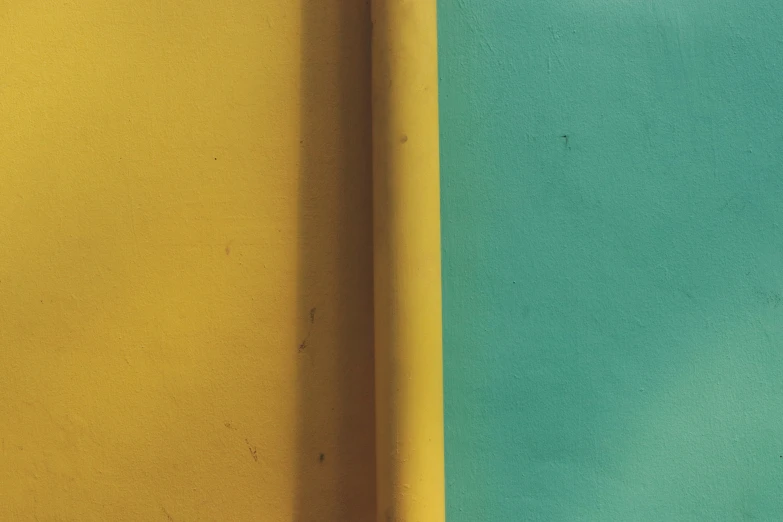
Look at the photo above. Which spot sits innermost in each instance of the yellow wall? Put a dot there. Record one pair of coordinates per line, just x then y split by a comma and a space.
185, 261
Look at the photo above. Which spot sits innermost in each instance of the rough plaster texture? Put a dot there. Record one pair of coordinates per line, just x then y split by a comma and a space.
612, 191
185, 261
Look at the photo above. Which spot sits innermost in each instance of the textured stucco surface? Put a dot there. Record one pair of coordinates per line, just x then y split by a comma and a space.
185, 261
612, 192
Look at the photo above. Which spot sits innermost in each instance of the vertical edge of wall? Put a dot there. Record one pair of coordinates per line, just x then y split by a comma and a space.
406, 213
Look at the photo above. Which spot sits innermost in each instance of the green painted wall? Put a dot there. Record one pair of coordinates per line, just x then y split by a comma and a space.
614, 298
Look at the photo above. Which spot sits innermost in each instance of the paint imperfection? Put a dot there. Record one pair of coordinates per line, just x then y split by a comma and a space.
167, 514
303, 344
253, 452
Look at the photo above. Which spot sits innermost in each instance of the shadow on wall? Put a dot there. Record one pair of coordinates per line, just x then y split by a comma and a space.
146, 282
336, 438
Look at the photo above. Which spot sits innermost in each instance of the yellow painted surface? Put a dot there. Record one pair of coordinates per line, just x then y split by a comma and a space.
409, 365
185, 261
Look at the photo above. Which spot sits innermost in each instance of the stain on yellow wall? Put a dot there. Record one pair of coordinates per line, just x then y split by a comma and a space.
185, 261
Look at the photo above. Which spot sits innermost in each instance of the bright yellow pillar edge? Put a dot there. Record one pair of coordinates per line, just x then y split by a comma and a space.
406, 199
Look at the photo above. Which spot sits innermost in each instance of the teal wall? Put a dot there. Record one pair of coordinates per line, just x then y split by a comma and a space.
613, 300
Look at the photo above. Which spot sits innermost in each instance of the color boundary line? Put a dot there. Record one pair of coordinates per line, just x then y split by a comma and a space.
407, 262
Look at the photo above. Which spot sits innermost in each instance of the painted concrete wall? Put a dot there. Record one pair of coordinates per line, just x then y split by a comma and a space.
185, 261
612, 191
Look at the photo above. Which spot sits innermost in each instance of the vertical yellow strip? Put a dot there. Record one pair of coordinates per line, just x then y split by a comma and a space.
409, 371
